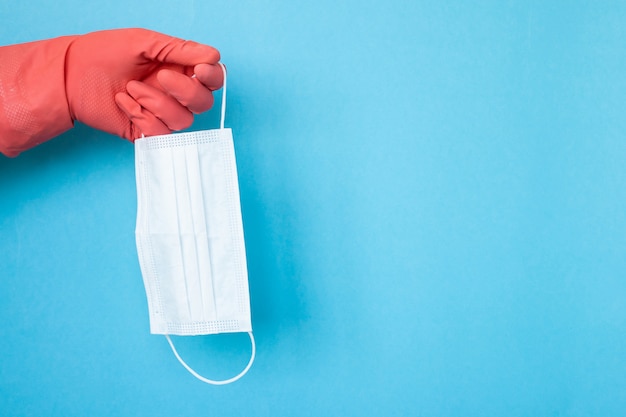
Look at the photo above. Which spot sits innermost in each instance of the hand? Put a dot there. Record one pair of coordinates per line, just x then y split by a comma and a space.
127, 82
130, 82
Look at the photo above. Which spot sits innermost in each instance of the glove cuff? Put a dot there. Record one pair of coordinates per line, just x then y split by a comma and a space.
33, 101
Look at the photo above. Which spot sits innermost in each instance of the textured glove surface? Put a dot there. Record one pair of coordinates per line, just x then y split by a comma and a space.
33, 106
131, 82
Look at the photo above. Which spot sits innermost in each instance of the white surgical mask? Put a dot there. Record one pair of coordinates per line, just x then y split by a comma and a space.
190, 236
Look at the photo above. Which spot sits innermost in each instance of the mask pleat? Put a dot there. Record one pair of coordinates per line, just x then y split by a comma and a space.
202, 281
185, 231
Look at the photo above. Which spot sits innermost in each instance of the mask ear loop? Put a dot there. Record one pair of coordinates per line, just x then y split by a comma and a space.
253, 354
223, 115
211, 381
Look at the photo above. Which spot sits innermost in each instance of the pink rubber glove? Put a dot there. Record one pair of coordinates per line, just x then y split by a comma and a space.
127, 82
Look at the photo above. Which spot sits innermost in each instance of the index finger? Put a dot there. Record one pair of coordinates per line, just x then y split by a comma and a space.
170, 50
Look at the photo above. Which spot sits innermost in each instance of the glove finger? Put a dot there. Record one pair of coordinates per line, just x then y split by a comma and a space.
143, 121
167, 49
189, 92
160, 104
212, 76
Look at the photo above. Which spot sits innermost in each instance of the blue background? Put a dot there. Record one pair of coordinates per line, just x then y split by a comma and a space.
434, 203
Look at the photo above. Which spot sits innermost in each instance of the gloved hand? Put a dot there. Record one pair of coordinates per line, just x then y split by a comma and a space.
127, 82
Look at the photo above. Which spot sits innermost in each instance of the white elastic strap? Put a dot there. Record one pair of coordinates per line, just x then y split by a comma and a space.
223, 115
210, 381
223, 97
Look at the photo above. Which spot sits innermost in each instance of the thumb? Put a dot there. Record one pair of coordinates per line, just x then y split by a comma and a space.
169, 50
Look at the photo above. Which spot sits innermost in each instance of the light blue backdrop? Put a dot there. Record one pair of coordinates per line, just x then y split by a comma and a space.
434, 202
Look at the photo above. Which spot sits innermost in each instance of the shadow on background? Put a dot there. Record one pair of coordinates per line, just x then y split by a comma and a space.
269, 189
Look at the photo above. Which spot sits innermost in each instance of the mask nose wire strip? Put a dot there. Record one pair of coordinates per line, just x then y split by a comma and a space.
210, 381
